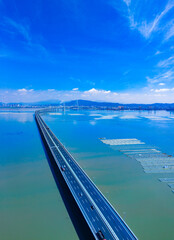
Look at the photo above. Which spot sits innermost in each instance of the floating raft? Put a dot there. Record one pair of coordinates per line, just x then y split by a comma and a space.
171, 185
159, 169
166, 180
130, 147
169, 181
151, 159
119, 142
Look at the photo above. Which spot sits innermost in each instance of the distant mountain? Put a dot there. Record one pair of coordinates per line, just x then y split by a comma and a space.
154, 106
90, 103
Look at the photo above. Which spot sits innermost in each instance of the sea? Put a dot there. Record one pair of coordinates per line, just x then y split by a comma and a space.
31, 206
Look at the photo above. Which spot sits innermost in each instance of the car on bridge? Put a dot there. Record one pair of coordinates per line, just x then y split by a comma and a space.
100, 235
62, 168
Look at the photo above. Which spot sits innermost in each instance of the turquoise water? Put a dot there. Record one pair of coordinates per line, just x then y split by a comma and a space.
30, 204
146, 204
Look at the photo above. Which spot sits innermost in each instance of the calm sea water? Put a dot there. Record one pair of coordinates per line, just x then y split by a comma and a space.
30, 204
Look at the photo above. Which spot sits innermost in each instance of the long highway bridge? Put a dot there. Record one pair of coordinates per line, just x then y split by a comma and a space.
102, 219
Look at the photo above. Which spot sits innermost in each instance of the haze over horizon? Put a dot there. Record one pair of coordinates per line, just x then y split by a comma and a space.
112, 51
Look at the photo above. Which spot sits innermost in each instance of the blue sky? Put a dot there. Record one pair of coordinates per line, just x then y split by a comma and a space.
105, 50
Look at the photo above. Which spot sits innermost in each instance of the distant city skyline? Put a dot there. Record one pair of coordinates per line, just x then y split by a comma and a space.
113, 51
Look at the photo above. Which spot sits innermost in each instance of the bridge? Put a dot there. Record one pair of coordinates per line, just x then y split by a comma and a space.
102, 219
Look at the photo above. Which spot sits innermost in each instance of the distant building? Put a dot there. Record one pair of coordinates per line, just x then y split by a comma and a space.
121, 107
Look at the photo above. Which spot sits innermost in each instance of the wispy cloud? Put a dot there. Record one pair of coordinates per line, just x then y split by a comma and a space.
170, 31
165, 70
128, 2
165, 76
158, 52
141, 20
166, 62
21, 32
147, 28
155, 22
4, 55
17, 28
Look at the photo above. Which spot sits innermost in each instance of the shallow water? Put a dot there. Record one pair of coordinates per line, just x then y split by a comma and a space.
30, 203
146, 204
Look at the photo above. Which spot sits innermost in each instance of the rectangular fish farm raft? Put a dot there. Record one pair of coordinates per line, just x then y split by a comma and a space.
151, 159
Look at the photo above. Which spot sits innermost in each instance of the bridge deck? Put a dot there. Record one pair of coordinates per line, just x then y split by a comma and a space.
97, 211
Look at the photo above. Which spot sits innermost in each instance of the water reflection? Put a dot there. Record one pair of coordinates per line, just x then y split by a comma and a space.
21, 117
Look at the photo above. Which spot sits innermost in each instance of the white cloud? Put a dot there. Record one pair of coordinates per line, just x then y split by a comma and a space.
140, 96
51, 90
25, 90
95, 91
162, 90
75, 89
161, 84
22, 90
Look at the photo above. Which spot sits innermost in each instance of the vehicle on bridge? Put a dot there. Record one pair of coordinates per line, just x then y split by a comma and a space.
100, 235
63, 168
